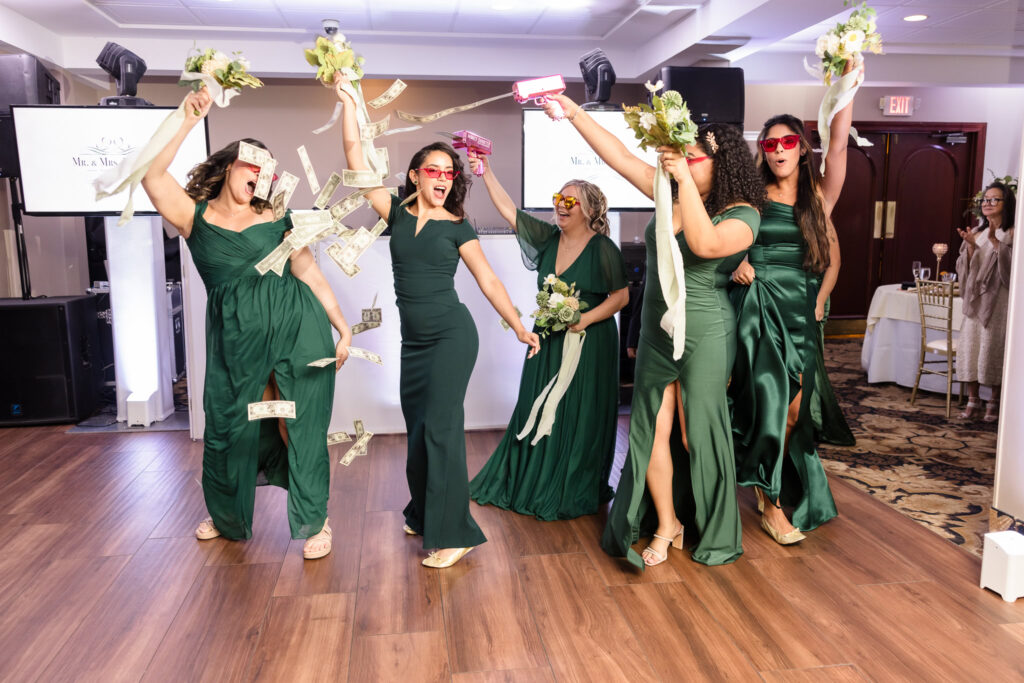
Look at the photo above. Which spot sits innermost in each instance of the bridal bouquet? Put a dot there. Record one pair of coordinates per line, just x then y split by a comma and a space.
558, 305
231, 73
330, 56
846, 42
666, 121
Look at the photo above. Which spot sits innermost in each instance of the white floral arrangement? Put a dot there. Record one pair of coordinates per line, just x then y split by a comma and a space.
664, 122
558, 305
230, 72
846, 42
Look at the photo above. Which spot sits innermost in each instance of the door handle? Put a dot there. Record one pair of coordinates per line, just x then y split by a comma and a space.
878, 220
890, 220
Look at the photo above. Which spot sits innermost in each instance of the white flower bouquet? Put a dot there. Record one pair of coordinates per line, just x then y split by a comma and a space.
666, 121
847, 42
558, 305
230, 72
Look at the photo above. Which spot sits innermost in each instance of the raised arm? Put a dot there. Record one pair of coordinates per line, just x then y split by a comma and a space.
167, 195
611, 150
704, 238
353, 147
502, 202
835, 155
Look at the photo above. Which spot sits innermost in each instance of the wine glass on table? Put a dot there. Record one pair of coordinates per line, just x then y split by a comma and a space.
926, 273
916, 268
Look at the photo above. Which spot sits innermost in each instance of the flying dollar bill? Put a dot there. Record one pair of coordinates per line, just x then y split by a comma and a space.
365, 355
389, 95
350, 269
359, 447
271, 409
287, 185
428, 118
364, 178
374, 129
278, 204
359, 328
338, 437
322, 362
251, 154
266, 177
307, 166
325, 194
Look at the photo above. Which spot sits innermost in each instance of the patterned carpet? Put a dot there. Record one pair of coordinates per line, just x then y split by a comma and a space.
938, 472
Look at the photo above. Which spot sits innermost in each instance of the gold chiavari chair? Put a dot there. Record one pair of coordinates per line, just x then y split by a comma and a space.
935, 301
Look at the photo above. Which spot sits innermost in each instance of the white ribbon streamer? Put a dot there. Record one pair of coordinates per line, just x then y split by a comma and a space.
129, 173
670, 264
551, 396
838, 95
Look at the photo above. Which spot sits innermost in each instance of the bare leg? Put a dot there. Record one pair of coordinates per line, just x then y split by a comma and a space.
272, 393
659, 475
973, 402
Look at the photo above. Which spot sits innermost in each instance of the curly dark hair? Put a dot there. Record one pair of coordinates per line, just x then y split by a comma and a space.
206, 180
1009, 205
809, 210
734, 178
460, 186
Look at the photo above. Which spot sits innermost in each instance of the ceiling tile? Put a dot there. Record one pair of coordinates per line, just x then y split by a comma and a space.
149, 15
239, 18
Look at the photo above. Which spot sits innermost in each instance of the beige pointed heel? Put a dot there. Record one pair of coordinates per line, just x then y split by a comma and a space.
437, 562
788, 538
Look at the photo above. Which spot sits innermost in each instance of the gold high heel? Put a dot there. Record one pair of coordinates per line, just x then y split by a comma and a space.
409, 530
676, 542
788, 538
434, 560
206, 530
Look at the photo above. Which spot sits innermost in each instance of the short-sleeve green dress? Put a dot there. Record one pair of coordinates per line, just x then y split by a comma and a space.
704, 485
566, 474
439, 348
778, 349
257, 325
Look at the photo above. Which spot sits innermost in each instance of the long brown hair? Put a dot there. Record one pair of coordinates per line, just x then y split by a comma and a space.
453, 203
206, 180
809, 210
593, 203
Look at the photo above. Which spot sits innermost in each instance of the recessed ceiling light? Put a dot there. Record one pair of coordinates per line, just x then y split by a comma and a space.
916, 17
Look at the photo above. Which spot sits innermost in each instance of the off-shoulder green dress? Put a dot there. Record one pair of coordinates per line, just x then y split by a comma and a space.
257, 326
566, 474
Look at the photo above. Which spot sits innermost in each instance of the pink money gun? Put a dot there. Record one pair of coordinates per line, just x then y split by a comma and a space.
473, 144
539, 90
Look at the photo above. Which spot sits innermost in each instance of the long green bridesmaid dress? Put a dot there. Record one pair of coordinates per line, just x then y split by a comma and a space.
439, 348
778, 343
566, 474
704, 485
257, 326
830, 424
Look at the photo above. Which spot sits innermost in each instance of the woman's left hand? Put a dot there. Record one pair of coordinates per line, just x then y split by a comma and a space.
673, 161
819, 312
583, 324
341, 353
530, 339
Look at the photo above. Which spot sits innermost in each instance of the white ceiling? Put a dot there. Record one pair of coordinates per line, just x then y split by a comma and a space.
506, 39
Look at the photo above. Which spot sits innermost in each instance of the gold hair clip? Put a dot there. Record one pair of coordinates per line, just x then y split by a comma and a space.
712, 143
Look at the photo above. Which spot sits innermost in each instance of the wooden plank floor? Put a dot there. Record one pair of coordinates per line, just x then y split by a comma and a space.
101, 580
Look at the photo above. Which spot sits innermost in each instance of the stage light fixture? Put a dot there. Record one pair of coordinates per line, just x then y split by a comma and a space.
598, 75
126, 68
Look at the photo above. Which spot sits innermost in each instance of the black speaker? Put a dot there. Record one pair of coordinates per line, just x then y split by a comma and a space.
49, 360
23, 80
714, 94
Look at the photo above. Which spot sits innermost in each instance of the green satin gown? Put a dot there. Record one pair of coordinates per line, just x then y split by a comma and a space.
778, 342
566, 474
257, 325
829, 422
704, 485
439, 349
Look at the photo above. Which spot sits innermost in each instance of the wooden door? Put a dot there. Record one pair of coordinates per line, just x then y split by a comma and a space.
907, 191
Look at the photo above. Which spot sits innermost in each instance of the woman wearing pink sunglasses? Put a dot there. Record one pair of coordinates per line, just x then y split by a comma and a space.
787, 278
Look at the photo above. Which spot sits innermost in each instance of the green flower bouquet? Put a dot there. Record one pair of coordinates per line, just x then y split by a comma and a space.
666, 121
330, 56
558, 305
231, 73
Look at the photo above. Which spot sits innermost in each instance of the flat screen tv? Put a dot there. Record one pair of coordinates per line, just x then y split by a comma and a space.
62, 148
553, 152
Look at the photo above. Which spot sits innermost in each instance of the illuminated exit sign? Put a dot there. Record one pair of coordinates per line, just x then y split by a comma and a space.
899, 105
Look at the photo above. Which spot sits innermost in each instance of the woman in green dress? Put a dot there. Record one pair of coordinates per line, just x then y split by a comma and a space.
261, 331
785, 285
564, 474
439, 341
714, 220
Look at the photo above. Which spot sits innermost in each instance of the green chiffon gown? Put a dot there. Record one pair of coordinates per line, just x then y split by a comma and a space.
566, 474
439, 348
704, 485
778, 342
257, 326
